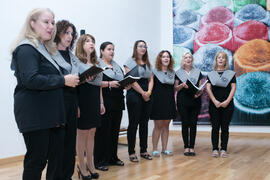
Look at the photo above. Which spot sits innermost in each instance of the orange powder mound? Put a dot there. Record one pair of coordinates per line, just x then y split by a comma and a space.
252, 56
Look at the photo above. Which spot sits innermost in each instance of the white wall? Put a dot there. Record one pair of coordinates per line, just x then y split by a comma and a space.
119, 21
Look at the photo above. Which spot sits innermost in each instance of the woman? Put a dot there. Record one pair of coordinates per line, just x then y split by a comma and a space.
138, 99
91, 107
65, 36
163, 109
38, 97
188, 102
221, 88
106, 139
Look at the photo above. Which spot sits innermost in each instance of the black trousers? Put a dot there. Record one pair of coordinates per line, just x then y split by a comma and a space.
138, 114
106, 138
43, 145
71, 109
220, 119
189, 117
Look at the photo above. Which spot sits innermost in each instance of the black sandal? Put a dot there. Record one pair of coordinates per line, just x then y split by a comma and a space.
146, 156
133, 158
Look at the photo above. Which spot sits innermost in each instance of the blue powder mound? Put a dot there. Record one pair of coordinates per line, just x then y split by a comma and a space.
204, 57
253, 91
251, 12
182, 34
185, 17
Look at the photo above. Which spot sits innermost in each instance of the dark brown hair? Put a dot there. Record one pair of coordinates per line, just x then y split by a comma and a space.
158, 64
62, 27
81, 54
145, 58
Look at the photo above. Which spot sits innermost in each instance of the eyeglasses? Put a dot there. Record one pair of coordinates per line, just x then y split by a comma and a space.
142, 46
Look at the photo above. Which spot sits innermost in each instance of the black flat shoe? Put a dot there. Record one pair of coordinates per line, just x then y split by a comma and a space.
192, 153
186, 154
146, 156
117, 163
102, 168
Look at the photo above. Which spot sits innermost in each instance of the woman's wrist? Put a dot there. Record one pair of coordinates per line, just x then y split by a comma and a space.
149, 92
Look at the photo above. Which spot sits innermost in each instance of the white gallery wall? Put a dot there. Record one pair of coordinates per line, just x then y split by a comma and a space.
119, 21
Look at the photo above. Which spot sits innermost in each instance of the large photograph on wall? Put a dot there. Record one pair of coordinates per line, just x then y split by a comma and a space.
241, 29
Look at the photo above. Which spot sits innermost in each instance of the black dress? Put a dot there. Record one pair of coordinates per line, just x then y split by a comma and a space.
89, 104
163, 107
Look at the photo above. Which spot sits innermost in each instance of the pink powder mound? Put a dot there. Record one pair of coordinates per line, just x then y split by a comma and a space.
214, 33
218, 14
249, 30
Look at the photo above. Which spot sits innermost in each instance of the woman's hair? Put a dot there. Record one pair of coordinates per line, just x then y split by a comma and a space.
226, 60
81, 54
27, 32
158, 64
103, 47
135, 55
62, 27
182, 63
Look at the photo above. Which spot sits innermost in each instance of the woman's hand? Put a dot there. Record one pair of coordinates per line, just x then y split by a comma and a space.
146, 96
114, 84
128, 87
184, 85
71, 80
102, 109
224, 104
217, 103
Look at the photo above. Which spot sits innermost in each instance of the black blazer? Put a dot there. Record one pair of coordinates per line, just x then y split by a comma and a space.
38, 96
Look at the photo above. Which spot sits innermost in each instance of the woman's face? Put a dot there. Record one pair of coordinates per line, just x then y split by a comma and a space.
188, 60
108, 52
141, 48
165, 59
66, 37
44, 26
221, 61
89, 45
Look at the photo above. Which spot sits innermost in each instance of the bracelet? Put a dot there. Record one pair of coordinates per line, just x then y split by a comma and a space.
109, 85
149, 92
101, 102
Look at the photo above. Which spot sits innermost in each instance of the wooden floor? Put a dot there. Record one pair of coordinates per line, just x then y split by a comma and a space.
249, 159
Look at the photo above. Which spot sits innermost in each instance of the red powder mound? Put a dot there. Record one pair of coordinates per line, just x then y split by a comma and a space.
252, 56
218, 14
249, 30
214, 33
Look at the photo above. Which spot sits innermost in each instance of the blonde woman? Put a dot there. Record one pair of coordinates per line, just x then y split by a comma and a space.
221, 88
38, 97
188, 102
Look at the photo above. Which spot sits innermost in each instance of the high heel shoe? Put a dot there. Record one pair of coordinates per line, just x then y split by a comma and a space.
81, 175
93, 175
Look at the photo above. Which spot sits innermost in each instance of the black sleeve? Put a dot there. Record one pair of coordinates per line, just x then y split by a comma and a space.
27, 67
201, 76
233, 80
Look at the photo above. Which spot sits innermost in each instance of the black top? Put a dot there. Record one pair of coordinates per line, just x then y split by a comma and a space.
65, 54
186, 98
113, 97
38, 96
69, 92
221, 93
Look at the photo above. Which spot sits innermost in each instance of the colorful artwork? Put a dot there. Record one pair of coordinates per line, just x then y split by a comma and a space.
241, 29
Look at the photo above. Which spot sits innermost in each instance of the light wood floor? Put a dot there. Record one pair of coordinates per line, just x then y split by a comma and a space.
249, 159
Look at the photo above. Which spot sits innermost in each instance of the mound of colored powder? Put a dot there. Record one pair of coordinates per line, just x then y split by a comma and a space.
187, 18
183, 36
214, 33
238, 4
249, 30
252, 56
218, 14
253, 90
251, 12
204, 57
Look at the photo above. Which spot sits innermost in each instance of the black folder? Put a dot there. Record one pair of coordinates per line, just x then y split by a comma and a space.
128, 80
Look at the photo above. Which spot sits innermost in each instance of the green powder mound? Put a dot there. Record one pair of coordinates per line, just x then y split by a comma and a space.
238, 4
